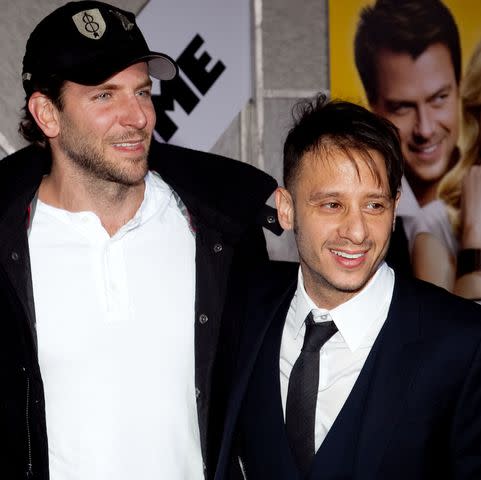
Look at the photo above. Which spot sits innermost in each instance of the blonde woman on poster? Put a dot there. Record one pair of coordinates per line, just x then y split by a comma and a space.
460, 191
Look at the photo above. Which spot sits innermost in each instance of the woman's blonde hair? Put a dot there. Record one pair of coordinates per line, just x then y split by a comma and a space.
449, 189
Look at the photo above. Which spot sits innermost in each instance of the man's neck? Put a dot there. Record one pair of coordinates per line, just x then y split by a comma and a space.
113, 203
322, 293
423, 191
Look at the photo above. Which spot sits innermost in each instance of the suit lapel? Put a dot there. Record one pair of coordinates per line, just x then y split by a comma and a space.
397, 355
262, 310
269, 302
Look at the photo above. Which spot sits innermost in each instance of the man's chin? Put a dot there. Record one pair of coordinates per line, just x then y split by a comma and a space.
427, 175
129, 177
349, 286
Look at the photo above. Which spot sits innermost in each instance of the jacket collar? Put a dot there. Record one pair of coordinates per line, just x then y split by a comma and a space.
20, 177
222, 193
219, 192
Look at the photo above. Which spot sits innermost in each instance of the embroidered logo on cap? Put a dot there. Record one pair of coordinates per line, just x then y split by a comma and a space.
90, 23
126, 23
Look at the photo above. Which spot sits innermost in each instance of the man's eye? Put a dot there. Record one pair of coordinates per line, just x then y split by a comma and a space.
331, 205
103, 96
375, 206
145, 93
399, 109
440, 99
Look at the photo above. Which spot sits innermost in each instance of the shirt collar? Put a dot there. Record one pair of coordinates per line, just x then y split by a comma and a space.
356, 317
157, 196
408, 205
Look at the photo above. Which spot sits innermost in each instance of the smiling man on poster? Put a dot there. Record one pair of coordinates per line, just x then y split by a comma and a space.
408, 56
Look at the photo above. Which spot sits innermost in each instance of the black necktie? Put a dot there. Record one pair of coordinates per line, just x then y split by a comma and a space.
302, 392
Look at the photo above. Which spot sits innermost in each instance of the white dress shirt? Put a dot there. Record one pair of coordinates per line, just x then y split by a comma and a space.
430, 218
115, 326
342, 357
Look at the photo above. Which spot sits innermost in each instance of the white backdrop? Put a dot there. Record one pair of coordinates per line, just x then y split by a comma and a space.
219, 29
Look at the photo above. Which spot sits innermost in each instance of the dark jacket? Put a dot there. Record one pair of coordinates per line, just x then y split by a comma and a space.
226, 201
413, 413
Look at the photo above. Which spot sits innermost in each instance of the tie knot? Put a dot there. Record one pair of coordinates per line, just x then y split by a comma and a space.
317, 334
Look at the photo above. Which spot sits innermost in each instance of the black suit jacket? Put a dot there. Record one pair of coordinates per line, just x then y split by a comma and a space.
227, 217
414, 412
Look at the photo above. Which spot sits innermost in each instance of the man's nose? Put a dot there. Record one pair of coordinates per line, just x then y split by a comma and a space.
424, 127
354, 227
133, 114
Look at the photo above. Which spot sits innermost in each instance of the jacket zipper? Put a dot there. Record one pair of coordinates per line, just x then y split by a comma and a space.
29, 472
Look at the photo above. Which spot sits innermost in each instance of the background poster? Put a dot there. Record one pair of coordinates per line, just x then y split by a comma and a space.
343, 17
419, 95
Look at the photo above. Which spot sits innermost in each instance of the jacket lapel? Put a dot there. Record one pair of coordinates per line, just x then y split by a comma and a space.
397, 355
15, 262
20, 176
268, 302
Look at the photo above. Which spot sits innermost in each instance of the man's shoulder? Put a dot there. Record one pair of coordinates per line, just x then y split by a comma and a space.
274, 278
21, 172
281, 269
187, 166
19, 160
213, 185
438, 307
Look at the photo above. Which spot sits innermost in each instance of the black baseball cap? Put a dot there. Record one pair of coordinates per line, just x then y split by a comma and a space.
87, 42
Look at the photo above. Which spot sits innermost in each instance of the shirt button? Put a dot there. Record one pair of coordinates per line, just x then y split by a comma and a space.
203, 318
324, 317
14, 256
197, 393
271, 219
218, 247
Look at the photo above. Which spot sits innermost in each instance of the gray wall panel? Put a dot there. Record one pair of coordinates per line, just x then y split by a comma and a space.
278, 121
229, 142
293, 44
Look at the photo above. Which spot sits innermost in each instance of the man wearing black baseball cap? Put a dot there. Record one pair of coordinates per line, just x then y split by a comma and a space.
122, 266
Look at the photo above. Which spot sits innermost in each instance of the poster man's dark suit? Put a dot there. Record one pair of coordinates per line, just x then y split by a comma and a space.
398, 256
413, 413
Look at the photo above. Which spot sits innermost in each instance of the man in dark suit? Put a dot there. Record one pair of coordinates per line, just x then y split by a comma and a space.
347, 370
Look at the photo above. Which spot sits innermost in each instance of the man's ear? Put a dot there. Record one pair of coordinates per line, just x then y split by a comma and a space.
285, 208
44, 113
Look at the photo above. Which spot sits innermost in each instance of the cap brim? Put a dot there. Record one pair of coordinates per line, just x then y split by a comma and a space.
161, 66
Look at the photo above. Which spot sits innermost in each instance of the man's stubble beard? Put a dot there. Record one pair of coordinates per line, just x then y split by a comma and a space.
331, 284
91, 159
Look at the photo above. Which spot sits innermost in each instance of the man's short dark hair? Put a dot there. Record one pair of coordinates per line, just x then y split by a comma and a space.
338, 125
403, 26
52, 87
